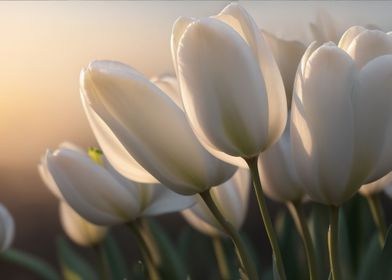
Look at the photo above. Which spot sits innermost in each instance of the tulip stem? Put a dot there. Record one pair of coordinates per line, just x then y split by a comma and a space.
102, 262
220, 258
252, 163
378, 216
297, 213
245, 261
145, 251
333, 242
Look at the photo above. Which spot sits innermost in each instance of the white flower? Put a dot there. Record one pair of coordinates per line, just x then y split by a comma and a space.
7, 228
101, 195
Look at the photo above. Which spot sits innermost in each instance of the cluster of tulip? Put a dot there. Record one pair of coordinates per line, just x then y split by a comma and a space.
304, 125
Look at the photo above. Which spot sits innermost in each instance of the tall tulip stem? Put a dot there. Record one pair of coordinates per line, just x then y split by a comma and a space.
221, 258
145, 250
333, 242
252, 163
245, 260
296, 211
378, 216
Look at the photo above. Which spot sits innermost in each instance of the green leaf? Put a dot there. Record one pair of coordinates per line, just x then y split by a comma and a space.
172, 266
370, 259
290, 245
114, 258
383, 269
74, 267
30, 262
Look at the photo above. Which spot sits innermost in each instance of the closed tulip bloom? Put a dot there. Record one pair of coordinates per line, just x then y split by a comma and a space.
79, 230
97, 192
278, 175
377, 186
231, 88
7, 228
149, 127
287, 54
341, 123
232, 200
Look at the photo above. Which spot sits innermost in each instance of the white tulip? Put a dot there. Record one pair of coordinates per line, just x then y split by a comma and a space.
79, 230
230, 84
377, 186
287, 55
101, 195
7, 228
149, 127
278, 175
232, 200
341, 123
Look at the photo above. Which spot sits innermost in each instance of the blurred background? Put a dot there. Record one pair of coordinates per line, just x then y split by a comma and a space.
43, 47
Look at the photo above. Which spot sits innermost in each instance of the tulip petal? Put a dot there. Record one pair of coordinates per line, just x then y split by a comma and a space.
349, 36
277, 171
163, 144
115, 152
229, 110
377, 186
169, 85
48, 179
287, 55
368, 45
78, 229
329, 79
179, 27
238, 18
374, 134
97, 197
7, 228
199, 224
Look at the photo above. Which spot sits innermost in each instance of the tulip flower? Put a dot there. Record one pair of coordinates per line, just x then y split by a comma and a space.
79, 230
235, 103
7, 229
91, 186
232, 91
341, 127
149, 127
231, 198
377, 186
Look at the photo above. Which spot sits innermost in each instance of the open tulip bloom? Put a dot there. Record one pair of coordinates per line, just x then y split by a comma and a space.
341, 122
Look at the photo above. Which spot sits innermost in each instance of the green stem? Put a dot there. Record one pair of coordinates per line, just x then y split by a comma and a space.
252, 163
145, 251
221, 258
296, 211
333, 242
244, 259
32, 263
102, 262
378, 216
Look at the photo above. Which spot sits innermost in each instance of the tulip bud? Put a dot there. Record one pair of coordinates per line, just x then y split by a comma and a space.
78, 229
230, 84
116, 99
341, 127
7, 229
231, 198
377, 186
278, 175
100, 194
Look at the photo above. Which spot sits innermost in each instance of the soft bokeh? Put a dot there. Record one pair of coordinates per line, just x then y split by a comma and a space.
44, 45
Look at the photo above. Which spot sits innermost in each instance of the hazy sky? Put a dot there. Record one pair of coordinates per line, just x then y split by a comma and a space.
44, 45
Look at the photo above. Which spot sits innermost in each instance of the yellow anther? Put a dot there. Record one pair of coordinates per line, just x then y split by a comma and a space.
96, 155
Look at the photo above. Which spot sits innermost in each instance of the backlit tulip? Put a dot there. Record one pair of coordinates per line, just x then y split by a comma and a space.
377, 186
149, 127
78, 229
341, 122
230, 84
278, 175
7, 228
231, 198
91, 186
